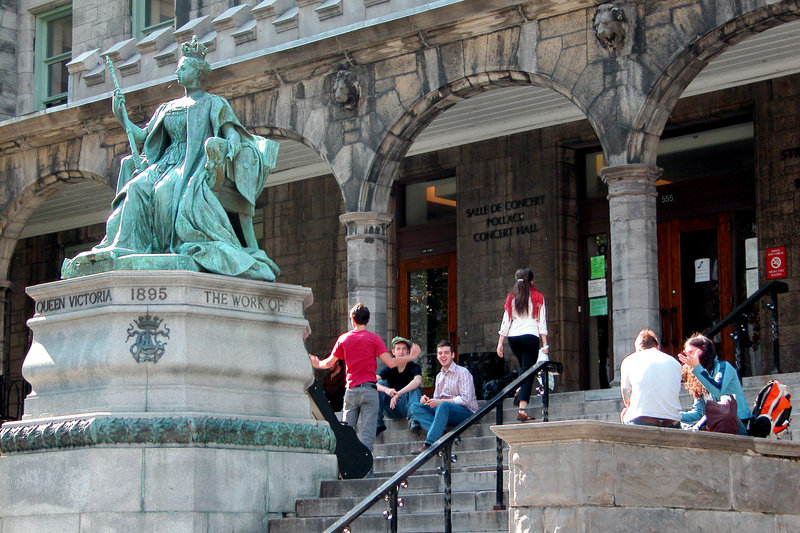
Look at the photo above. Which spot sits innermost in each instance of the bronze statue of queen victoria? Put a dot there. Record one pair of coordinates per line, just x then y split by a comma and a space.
196, 156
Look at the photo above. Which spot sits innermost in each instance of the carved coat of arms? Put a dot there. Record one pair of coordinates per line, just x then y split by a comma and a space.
150, 338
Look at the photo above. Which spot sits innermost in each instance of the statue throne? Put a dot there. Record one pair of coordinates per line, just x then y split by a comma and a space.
236, 186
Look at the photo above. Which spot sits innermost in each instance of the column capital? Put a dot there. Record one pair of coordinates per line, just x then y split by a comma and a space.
631, 171
366, 224
630, 179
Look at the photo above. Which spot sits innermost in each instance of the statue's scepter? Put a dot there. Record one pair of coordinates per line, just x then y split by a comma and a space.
137, 159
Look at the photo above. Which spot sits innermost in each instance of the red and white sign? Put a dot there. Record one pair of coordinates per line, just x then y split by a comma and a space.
776, 262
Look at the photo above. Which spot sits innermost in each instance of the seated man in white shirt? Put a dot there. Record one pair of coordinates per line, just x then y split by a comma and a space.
650, 383
453, 399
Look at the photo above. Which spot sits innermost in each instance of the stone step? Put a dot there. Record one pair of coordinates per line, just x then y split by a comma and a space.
464, 458
475, 521
398, 432
405, 447
413, 503
465, 479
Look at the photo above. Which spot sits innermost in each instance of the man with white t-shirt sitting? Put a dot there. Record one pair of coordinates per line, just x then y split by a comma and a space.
650, 383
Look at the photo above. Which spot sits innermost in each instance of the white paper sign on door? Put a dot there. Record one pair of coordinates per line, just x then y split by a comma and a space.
702, 270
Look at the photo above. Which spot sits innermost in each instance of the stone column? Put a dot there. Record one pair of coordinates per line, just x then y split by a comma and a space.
634, 254
366, 263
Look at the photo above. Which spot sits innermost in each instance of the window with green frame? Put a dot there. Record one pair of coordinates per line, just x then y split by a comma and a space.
53, 51
151, 15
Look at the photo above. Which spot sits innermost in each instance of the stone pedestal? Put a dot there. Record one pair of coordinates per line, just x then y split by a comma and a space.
166, 400
584, 475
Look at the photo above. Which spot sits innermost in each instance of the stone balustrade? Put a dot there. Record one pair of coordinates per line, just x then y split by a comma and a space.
583, 475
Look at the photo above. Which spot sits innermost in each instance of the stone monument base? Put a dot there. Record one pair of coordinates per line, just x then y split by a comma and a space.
176, 487
163, 401
586, 476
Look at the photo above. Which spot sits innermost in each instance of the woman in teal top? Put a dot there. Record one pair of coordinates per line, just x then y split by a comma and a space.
718, 377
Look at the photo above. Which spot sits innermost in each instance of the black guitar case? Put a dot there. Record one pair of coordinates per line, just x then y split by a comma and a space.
354, 459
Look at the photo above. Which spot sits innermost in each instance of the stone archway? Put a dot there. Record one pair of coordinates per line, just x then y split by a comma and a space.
677, 75
403, 132
19, 209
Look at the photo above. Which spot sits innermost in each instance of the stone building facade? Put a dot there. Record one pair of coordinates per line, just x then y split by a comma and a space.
602, 238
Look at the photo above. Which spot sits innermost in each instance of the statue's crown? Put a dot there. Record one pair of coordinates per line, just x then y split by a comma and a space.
194, 49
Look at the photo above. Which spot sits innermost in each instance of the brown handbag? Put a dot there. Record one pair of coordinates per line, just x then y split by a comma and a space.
721, 416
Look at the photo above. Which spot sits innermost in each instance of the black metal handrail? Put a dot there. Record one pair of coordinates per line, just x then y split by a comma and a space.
739, 316
389, 490
13, 390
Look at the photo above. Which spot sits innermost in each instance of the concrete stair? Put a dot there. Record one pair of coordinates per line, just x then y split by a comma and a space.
473, 474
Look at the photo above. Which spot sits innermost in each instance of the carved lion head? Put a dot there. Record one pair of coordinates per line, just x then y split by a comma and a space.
346, 89
610, 25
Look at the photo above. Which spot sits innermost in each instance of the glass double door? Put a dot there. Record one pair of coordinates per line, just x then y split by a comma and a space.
427, 301
695, 278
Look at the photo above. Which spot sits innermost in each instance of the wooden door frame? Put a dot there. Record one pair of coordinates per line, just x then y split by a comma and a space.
669, 289
423, 263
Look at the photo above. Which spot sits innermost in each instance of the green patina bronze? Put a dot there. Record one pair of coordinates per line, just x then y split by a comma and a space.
165, 430
199, 167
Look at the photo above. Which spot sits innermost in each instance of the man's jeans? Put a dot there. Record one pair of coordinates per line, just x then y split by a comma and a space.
402, 409
360, 411
435, 421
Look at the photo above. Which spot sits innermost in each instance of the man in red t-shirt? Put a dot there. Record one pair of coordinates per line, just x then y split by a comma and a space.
360, 348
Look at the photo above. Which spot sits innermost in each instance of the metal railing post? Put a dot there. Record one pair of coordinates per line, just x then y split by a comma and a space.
545, 392
499, 504
739, 330
447, 460
772, 305
391, 514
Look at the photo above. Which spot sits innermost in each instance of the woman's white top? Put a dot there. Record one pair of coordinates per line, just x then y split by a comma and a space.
524, 324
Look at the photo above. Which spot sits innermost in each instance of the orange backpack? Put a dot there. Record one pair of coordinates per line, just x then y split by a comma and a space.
772, 410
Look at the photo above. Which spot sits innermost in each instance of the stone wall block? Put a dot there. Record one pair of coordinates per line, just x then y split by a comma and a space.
477, 55
570, 66
702, 478
563, 24
213, 474
408, 89
452, 61
404, 64
573, 473
230, 522
655, 17
720, 522
553, 518
38, 524
755, 485
528, 39
632, 520
103, 470
661, 45
786, 524
691, 19
181, 522
525, 519
388, 108
577, 38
